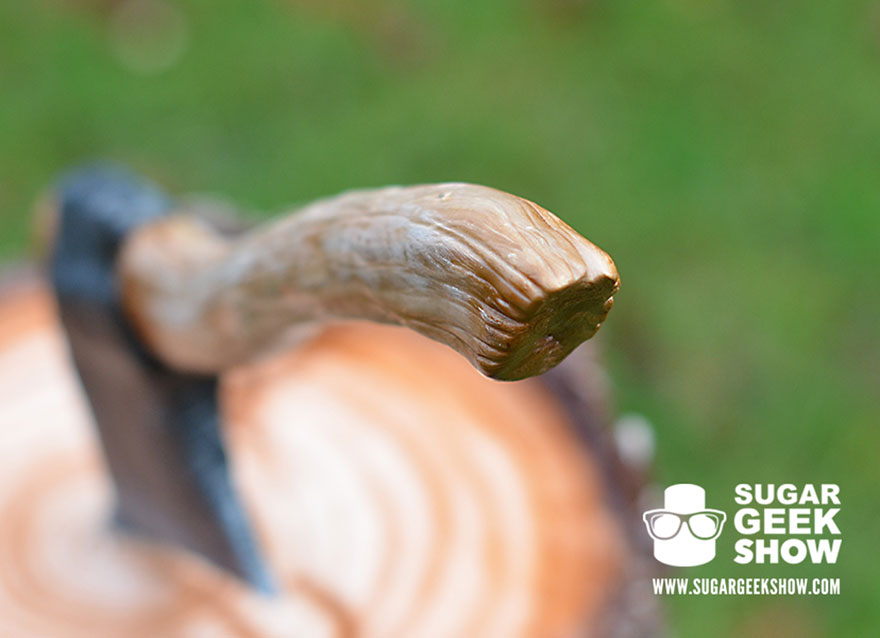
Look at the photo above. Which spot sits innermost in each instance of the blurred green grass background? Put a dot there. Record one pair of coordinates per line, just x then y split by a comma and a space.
726, 154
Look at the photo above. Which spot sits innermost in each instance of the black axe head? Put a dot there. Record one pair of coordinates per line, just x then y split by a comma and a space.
160, 429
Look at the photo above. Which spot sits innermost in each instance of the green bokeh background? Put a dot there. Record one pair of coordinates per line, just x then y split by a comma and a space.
726, 154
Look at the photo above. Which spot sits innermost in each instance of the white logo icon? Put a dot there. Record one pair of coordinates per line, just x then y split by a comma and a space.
684, 531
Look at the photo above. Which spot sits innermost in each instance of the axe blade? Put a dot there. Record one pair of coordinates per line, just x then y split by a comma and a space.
160, 429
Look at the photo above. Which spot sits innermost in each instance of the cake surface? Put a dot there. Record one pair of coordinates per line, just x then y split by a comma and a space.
395, 491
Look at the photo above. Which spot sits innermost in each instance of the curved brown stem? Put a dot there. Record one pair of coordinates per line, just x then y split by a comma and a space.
499, 279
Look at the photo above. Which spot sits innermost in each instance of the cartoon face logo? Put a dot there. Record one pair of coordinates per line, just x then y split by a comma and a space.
684, 531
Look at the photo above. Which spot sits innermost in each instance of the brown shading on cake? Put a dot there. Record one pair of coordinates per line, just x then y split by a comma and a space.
395, 491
